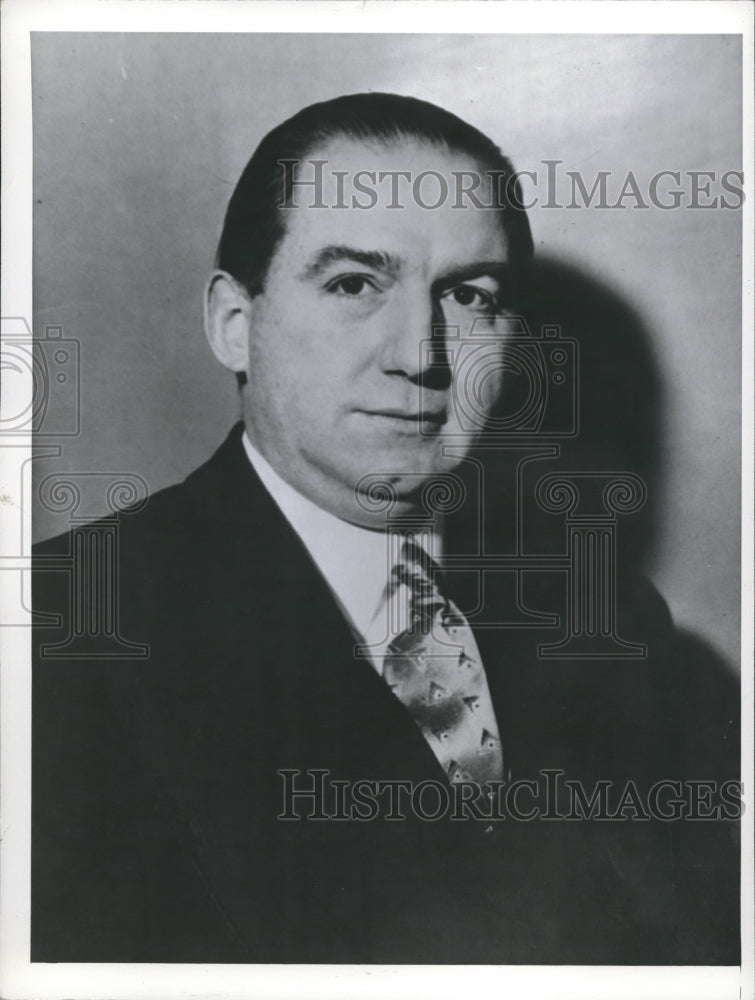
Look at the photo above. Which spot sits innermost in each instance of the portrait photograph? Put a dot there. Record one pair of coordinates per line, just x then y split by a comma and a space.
377, 509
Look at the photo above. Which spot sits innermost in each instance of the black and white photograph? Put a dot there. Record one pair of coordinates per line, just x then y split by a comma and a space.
376, 499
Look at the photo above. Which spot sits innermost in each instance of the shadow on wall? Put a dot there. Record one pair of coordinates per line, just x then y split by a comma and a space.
612, 381
594, 411
620, 390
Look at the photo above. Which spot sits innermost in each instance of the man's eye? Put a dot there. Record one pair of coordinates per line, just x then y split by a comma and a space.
350, 285
469, 295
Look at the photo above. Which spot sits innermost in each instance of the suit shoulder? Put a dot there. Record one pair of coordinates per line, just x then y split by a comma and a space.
167, 513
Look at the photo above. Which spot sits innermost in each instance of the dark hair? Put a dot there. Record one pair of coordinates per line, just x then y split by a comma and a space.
254, 224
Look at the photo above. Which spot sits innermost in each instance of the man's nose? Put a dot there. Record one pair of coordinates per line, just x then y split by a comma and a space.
415, 348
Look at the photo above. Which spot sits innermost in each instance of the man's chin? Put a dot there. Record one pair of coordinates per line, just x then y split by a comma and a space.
403, 493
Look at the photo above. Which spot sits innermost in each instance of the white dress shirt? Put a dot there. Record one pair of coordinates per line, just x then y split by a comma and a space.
354, 561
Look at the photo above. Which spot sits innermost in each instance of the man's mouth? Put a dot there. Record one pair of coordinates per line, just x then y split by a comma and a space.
437, 417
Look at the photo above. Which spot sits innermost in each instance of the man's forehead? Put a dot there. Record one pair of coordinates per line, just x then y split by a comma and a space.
397, 199
390, 242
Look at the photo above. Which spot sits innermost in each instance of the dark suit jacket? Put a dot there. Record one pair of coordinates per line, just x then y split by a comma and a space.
156, 791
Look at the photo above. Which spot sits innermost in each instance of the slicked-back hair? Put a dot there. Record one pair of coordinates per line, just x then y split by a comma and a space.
255, 224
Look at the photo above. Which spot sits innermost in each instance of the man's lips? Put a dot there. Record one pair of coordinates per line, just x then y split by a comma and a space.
435, 417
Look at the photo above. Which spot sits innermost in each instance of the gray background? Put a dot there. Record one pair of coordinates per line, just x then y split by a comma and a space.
140, 138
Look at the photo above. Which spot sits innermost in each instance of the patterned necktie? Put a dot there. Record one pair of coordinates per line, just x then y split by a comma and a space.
434, 669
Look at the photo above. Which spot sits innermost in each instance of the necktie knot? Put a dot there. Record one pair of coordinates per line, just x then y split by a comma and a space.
416, 570
419, 574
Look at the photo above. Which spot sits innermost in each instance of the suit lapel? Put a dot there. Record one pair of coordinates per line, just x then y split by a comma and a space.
283, 634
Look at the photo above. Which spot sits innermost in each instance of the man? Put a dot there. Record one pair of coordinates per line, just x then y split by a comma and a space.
236, 794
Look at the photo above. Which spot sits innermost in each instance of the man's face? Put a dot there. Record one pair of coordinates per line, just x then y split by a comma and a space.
343, 381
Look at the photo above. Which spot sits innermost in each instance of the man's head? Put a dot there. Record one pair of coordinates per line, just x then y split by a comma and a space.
344, 301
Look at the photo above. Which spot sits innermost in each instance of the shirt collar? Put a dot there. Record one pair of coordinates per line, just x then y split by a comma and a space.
355, 561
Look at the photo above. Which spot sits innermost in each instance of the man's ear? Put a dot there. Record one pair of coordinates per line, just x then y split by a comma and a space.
227, 314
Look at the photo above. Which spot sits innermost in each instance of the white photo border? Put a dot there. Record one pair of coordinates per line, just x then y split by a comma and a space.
18, 977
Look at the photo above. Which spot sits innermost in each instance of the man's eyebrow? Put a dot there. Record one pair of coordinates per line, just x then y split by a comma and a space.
497, 269
377, 260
